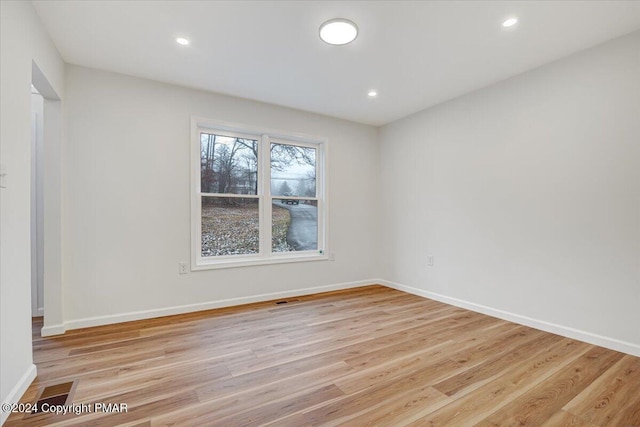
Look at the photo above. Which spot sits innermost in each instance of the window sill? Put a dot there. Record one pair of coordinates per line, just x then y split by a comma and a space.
227, 263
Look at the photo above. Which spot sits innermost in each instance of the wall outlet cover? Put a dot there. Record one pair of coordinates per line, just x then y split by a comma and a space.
182, 268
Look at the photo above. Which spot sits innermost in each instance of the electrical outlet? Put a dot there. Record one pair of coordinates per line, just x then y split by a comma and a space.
430, 260
3, 177
332, 256
182, 268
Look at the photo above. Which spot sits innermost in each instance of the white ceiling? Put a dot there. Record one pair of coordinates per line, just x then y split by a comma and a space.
415, 54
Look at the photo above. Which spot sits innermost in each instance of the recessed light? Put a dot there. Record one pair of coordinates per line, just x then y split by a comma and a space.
338, 31
510, 22
372, 94
182, 41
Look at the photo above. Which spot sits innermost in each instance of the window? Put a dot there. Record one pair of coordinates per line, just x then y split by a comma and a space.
258, 196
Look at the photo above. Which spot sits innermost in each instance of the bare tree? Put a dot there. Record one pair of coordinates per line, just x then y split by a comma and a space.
251, 173
282, 155
252, 170
207, 155
222, 164
227, 164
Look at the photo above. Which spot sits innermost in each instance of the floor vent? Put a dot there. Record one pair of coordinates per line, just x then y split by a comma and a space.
286, 301
58, 394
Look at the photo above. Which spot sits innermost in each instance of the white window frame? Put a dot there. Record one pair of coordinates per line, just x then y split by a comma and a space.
265, 138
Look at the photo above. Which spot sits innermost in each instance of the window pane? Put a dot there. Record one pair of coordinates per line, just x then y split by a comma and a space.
295, 225
230, 226
293, 170
228, 164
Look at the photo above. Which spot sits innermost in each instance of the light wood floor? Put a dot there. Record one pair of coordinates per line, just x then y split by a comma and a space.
362, 357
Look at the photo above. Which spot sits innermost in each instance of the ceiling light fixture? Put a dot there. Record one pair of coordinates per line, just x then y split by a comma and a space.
338, 31
182, 41
510, 22
372, 94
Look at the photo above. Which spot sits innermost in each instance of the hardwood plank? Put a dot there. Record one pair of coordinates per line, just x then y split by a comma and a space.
516, 379
610, 394
396, 410
540, 403
418, 340
494, 365
374, 369
565, 419
264, 404
373, 402
275, 410
267, 385
367, 356
629, 415
391, 369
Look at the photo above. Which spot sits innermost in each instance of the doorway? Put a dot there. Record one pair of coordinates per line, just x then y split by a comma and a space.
46, 204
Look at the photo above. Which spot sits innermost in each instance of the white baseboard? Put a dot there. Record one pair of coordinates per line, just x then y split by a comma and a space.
181, 309
565, 331
50, 330
18, 390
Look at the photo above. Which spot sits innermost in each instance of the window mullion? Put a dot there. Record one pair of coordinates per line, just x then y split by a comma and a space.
265, 191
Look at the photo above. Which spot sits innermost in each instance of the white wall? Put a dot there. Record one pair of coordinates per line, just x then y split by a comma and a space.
126, 199
527, 193
22, 40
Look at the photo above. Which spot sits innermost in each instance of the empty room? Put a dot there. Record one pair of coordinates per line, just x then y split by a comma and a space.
320, 213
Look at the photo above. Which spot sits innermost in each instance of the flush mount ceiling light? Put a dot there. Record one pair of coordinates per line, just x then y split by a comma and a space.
372, 94
510, 22
338, 31
182, 41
